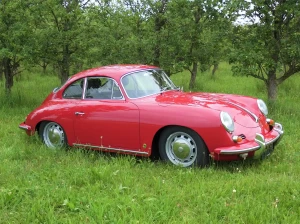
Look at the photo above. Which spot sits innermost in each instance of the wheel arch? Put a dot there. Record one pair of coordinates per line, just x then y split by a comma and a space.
155, 141
38, 125
45, 122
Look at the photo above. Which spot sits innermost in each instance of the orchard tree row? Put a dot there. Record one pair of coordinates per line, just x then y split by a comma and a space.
176, 35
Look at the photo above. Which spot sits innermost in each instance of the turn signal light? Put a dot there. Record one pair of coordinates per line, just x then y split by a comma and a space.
270, 122
237, 139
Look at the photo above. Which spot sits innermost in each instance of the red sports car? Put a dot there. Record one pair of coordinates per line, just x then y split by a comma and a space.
136, 109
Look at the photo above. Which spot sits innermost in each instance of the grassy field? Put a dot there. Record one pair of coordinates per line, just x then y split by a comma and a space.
38, 185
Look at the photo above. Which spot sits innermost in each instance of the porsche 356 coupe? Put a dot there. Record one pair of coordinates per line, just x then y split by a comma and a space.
136, 109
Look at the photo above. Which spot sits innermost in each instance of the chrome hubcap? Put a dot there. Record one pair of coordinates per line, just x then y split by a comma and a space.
181, 149
54, 136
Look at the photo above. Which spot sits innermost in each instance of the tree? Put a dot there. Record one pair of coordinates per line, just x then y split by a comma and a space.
189, 35
268, 48
1, 71
60, 33
158, 11
15, 28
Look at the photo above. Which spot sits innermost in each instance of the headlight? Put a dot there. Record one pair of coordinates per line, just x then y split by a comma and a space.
227, 121
262, 106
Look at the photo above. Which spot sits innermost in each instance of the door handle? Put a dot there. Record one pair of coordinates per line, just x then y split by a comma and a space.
79, 113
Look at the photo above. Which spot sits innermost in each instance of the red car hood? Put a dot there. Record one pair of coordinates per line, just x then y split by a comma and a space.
242, 109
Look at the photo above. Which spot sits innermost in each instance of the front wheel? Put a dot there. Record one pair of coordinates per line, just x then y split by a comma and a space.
183, 147
52, 134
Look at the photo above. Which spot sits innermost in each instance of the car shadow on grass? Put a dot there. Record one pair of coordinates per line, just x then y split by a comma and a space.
154, 159
229, 166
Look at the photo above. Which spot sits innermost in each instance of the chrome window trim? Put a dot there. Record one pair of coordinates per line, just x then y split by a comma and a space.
149, 69
70, 85
112, 92
112, 149
84, 88
114, 83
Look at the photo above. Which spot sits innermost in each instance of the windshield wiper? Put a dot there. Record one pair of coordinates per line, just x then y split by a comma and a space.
162, 89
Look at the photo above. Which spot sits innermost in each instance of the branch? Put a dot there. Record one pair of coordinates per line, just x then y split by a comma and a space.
85, 3
292, 70
264, 70
55, 18
188, 68
258, 77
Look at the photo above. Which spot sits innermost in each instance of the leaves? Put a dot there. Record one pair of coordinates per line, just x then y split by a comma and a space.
268, 46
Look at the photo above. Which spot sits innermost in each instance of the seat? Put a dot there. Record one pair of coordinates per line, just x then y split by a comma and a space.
92, 88
94, 83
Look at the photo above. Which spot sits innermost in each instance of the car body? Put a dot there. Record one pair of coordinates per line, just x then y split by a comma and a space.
136, 109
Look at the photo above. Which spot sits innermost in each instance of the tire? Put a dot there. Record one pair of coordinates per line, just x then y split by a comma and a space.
183, 147
52, 135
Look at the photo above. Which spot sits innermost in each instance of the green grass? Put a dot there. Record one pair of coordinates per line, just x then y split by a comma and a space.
38, 185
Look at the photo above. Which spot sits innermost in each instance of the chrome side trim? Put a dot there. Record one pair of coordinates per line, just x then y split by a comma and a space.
111, 149
248, 111
260, 140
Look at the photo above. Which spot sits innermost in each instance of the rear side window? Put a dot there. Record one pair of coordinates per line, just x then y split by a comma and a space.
74, 90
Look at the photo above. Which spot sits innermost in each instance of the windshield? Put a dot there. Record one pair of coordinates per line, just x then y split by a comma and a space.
145, 83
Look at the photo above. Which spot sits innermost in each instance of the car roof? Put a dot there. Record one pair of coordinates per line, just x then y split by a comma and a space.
114, 71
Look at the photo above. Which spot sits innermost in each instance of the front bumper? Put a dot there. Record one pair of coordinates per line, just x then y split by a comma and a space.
26, 127
262, 146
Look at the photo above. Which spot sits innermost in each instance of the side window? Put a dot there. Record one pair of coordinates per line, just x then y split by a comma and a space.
102, 88
75, 90
116, 94
129, 86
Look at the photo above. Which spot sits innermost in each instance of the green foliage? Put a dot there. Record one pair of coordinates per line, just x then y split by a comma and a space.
62, 29
177, 35
268, 48
15, 30
38, 185
192, 30
71, 35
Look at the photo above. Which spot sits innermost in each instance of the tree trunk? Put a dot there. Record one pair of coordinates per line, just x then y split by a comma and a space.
215, 68
8, 73
1, 71
159, 23
65, 65
44, 66
272, 86
156, 56
193, 75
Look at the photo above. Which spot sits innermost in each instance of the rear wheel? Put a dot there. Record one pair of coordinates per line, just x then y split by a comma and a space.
53, 135
183, 147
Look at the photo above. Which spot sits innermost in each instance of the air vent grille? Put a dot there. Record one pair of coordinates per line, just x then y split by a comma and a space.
242, 136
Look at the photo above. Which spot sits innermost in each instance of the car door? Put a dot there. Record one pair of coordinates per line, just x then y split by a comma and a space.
105, 119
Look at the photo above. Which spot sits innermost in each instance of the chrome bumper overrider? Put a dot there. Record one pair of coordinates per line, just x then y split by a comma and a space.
25, 127
262, 144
